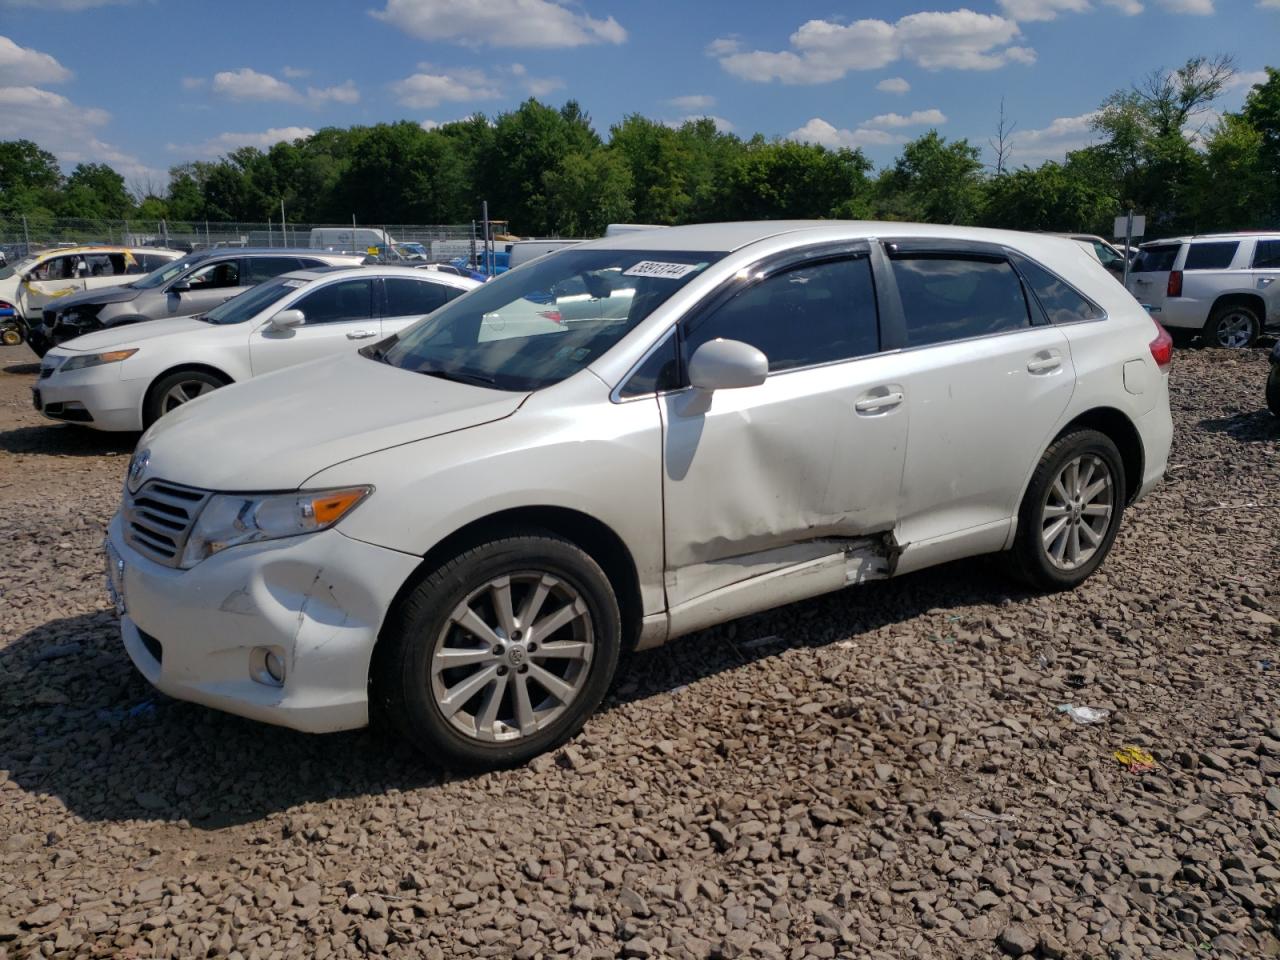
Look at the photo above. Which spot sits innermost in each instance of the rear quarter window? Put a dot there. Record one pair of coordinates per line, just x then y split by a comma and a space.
1267, 255
1061, 302
1155, 259
1211, 256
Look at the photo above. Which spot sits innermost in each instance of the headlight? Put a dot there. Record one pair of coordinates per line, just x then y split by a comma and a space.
231, 519
82, 360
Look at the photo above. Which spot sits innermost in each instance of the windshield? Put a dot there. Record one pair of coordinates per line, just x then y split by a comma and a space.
542, 323
251, 302
19, 267
164, 274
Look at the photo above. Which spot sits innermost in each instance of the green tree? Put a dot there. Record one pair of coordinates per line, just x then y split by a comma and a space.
29, 179
932, 181
1050, 197
1262, 113
94, 191
586, 192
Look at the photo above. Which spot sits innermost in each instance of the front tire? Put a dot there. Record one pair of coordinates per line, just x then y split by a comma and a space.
499, 654
1232, 326
1071, 512
172, 391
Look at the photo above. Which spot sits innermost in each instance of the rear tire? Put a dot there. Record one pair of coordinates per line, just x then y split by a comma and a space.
175, 389
465, 668
1070, 513
1273, 389
1232, 326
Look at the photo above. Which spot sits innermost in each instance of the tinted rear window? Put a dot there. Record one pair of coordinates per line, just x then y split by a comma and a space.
1155, 259
1061, 302
1211, 256
1267, 255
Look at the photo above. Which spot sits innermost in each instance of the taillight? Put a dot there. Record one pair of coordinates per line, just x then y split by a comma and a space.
552, 315
1175, 284
1162, 347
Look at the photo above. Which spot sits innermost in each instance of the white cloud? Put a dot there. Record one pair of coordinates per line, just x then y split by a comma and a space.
70, 6
248, 84
1249, 78
822, 51
193, 83
500, 23
1195, 8
825, 134
722, 125
430, 125
226, 142
1130, 8
22, 65
1042, 9
67, 130
1269, 4
295, 73
916, 118
423, 90
694, 101
1053, 142
893, 85
342, 93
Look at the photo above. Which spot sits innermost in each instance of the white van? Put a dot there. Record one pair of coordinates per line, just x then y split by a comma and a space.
353, 239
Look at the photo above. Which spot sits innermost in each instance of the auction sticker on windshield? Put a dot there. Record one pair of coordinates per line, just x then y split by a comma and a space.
661, 270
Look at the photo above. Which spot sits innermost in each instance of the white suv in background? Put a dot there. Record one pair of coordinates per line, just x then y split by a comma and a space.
462, 527
1223, 287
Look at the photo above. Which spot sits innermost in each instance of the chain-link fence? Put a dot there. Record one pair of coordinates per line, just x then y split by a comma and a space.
19, 236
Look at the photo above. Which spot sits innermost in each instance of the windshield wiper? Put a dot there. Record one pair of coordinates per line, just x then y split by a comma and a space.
378, 351
459, 376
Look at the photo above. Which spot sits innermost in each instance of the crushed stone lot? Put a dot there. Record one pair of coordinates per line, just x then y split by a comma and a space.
879, 773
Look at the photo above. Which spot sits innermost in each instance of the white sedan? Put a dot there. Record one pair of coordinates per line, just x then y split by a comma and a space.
126, 378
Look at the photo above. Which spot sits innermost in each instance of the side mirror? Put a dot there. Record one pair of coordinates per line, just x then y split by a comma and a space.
179, 286
288, 319
727, 365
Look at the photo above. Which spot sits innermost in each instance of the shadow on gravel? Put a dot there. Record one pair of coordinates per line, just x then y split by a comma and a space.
78, 723
64, 440
1246, 427
32, 367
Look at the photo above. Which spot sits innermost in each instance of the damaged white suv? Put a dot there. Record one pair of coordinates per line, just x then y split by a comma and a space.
462, 527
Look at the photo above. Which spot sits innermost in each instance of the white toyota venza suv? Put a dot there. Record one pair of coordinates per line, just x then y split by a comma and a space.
460, 528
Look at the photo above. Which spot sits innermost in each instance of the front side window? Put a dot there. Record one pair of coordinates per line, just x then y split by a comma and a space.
1061, 303
1267, 255
414, 298
798, 317
258, 269
535, 326
56, 268
947, 297
1105, 253
162, 273
1155, 259
216, 276
338, 302
1211, 256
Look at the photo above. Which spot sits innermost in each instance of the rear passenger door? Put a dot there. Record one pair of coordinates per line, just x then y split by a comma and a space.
987, 383
408, 299
336, 315
1266, 276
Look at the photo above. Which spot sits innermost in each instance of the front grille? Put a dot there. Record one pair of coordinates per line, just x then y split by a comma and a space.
159, 517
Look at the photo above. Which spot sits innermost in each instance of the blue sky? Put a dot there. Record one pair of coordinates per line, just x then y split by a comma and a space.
143, 84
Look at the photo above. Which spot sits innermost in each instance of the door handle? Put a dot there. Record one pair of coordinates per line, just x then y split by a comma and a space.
879, 403
1044, 363
361, 334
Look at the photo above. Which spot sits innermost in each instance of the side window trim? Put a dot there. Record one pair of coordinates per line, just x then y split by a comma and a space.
971, 249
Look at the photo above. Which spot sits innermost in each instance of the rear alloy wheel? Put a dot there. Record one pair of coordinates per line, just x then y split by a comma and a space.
1232, 327
1070, 512
173, 391
499, 654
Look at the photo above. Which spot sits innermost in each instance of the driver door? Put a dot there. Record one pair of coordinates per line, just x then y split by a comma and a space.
47, 281
208, 286
336, 316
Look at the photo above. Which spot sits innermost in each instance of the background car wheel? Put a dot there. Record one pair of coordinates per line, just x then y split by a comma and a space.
1273, 389
172, 391
10, 336
1070, 512
1232, 326
500, 654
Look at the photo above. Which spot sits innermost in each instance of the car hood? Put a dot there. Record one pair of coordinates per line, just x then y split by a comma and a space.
131, 334
273, 432
99, 297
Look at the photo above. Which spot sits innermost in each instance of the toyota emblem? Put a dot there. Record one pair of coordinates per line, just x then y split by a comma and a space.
137, 468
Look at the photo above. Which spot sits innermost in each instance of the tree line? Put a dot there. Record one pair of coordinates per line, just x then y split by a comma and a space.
1159, 147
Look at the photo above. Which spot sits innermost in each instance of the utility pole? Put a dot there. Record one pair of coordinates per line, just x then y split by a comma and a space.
1128, 243
26, 236
270, 239
488, 263
353, 233
284, 237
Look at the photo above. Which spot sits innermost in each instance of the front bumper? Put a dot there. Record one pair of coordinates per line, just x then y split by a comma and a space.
320, 599
107, 402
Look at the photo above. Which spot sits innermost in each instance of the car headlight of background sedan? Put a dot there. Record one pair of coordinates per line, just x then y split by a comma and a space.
82, 360
231, 519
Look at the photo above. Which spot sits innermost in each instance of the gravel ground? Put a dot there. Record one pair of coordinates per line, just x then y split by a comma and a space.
879, 773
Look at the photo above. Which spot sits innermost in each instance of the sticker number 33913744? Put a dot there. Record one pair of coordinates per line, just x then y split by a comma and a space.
661, 270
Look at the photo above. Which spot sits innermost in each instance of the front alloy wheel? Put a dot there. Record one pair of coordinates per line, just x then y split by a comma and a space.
499, 653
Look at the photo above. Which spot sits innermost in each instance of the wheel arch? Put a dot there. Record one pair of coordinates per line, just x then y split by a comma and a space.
208, 368
1120, 429
1240, 299
594, 537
